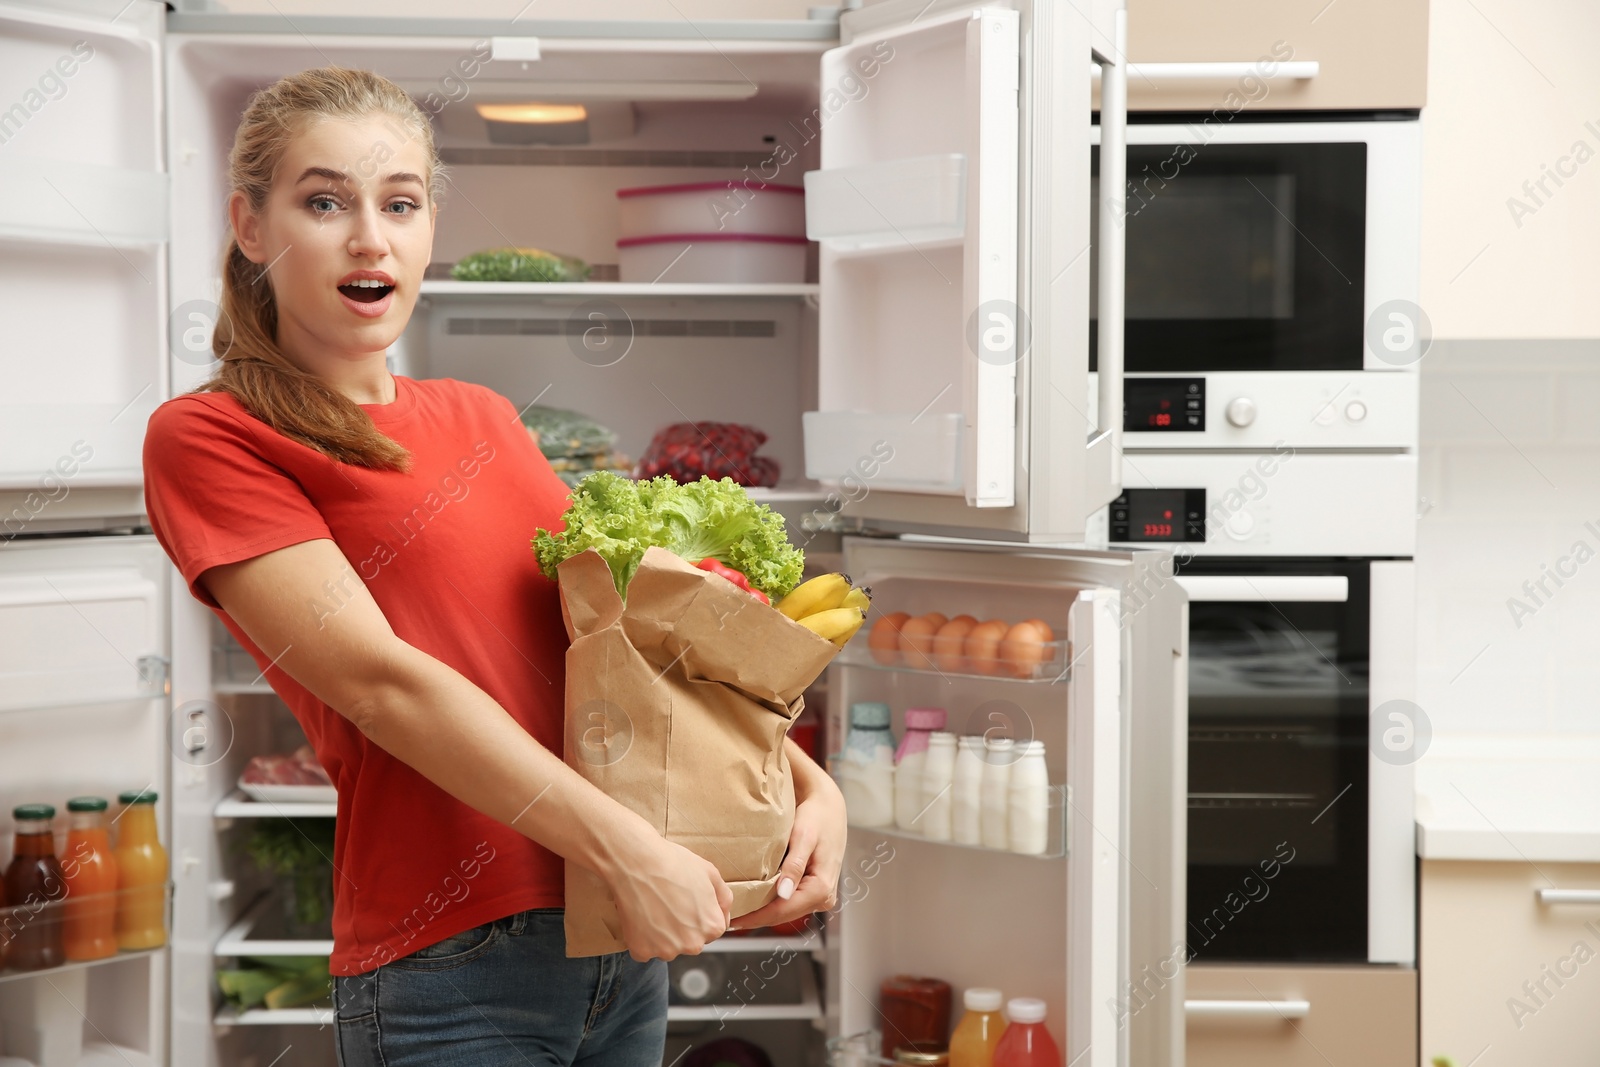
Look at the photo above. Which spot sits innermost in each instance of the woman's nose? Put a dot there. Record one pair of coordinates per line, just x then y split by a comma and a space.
366, 234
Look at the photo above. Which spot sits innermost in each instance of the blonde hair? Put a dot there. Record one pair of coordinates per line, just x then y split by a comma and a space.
295, 402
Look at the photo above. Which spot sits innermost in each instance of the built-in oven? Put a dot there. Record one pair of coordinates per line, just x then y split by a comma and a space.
1299, 845
1271, 282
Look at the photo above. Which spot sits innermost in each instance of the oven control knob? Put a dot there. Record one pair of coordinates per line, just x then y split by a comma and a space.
1240, 525
1355, 411
1241, 411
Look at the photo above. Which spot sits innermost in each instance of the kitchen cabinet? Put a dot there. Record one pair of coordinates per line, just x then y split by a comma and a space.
1507, 954
1367, 55
1241, 1016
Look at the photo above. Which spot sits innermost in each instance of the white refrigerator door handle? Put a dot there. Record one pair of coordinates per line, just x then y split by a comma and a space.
1295, 70
1247, 1009
1568, 896
1112, 251
1231, 588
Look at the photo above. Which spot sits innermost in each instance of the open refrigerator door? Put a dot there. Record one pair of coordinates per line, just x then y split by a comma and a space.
84, 639
1090, 922
953, 275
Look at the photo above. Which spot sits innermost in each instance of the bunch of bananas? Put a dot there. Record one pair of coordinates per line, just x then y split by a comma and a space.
829, 606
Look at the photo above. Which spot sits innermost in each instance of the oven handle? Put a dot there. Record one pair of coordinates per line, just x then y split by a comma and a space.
1295, 70
1247, 1009
1113, 73
1568, 896
1300, 588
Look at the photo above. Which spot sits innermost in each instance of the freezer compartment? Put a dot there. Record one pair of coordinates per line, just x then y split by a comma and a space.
79, 632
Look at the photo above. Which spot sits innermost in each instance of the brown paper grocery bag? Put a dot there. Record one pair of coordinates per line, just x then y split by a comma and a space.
677, 706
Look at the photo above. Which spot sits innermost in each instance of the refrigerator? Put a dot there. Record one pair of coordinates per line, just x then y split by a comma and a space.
925, 391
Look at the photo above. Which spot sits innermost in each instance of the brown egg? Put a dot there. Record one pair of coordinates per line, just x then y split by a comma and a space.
950, 641
884, 640
983, 646
916, 638
1024, 648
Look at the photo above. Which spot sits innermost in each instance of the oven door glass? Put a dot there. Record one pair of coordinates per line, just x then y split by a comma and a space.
1278, 721
1243, 257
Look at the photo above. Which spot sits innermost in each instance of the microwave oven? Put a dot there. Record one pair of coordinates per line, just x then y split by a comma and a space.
1271, 282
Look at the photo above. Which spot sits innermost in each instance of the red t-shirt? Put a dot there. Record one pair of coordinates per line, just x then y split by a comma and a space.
444, 550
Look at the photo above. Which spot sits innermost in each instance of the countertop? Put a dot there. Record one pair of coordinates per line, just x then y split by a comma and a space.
1494, 797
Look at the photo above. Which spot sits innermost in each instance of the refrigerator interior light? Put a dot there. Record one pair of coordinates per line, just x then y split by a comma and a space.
536, 113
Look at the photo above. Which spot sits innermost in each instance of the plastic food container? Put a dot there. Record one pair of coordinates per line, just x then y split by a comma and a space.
717, 207
712, 257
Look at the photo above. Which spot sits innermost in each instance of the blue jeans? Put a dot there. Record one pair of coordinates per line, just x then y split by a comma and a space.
504, 994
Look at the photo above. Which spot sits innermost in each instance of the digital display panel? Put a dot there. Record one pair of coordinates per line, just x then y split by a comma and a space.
1164, 405
1158, 515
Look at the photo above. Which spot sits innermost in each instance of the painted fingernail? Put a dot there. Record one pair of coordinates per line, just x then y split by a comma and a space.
785, 887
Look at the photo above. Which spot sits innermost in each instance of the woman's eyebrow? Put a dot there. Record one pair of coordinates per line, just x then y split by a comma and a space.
340, 176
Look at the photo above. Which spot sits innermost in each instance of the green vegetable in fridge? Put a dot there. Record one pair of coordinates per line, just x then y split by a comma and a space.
277, 982
303, 850
564, 434
298, 992
519, 265
697, 520
248, 988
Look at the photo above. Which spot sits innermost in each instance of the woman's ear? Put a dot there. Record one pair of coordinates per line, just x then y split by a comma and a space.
246, 227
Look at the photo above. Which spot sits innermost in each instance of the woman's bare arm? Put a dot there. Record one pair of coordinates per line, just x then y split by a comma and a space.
430, 717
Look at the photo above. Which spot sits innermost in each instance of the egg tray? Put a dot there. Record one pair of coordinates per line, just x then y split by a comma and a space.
1055, 664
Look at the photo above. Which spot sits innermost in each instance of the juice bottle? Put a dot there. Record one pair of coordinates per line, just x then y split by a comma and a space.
141, 874
1026, 1043
91, 873
33, 881
973, 1043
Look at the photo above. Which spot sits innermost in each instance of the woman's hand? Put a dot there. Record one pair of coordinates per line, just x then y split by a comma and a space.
808, 879
671, 901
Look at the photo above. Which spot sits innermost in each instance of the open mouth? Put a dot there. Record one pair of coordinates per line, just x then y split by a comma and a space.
366, 291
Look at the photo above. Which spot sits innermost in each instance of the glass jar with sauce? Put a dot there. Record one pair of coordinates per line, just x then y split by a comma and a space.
915, 1013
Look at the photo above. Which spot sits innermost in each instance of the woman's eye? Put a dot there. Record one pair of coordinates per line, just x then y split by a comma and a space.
410, 207
322, 204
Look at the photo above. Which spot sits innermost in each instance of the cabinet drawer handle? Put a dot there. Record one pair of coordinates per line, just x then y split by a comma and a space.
1568, 896
1294, 70
1247, 1009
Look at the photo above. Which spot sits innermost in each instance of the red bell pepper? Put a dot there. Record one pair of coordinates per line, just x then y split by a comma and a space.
711, 565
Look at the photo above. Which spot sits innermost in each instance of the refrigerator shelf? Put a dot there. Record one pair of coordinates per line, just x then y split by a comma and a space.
238, 806
312, 1015
236, 941
618, 290
1055, 670
78, 965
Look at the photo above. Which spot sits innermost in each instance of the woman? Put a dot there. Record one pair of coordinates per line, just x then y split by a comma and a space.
366, 537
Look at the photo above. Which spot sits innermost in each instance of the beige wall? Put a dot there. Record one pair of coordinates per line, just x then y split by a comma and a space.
1511, 86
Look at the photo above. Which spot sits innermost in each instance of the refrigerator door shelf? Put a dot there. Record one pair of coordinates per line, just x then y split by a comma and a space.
49, 920
1054, 664
843, 769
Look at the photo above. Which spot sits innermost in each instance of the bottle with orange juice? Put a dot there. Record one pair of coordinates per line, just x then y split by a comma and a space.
973, 1043
90, 870
141, 874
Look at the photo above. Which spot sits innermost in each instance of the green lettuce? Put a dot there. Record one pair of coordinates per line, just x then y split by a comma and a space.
620, 518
